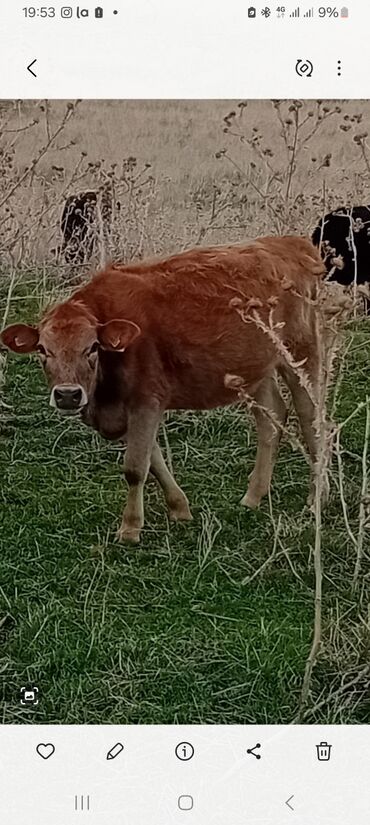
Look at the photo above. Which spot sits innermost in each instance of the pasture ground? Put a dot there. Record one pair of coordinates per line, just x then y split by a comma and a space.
168, 632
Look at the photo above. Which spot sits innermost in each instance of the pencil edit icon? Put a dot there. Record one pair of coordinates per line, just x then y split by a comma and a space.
115, 751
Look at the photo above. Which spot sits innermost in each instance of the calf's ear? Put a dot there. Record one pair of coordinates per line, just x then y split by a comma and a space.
20, 338
117, 335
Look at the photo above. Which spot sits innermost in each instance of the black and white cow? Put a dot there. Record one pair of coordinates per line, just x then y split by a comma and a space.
344, 236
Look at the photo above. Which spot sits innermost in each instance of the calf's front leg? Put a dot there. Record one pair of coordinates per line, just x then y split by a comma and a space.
142, 426
178, 505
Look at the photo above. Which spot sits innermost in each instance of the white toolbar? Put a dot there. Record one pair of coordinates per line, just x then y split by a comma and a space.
165, 775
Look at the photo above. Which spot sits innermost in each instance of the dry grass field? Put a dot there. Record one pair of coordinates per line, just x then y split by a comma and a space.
212, 622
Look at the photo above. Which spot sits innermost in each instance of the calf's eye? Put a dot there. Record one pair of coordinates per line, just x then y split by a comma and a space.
92, 354
42, 352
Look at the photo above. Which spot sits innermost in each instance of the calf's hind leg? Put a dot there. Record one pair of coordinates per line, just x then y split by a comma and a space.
304, 408
306, 412
267, 396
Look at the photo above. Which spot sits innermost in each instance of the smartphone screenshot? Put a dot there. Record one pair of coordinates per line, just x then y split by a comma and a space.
184, 413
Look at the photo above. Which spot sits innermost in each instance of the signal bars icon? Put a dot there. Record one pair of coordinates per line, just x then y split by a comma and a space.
297, 12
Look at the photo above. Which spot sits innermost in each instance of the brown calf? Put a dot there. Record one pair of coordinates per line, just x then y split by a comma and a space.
144, 338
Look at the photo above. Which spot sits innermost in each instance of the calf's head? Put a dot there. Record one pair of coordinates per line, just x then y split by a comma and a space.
68, 341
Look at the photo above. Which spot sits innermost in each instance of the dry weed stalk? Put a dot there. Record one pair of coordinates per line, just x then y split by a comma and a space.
34, 185
276, 170
274, 555
29, 171
3, 323
327, 347
102, 250
364, 509
332, 309
354, 249
271, 168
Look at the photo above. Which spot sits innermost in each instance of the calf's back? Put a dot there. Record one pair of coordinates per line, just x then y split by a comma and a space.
189, 309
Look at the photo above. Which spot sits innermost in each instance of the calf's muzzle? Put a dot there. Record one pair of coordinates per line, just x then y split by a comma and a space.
68, 397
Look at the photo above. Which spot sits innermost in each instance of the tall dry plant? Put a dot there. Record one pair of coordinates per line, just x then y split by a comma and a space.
275, 171
34, 189
333, 309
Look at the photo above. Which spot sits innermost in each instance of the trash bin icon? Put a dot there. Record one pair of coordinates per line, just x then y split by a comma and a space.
323, 752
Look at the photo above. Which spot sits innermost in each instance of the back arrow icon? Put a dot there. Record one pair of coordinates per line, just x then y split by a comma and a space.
29, 68
288, 802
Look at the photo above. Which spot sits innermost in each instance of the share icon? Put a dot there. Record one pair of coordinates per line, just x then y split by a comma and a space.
251, 751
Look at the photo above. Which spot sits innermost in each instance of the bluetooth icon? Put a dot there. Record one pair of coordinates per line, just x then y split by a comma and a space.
266, 12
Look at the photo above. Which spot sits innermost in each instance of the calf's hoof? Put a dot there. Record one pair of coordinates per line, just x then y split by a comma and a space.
130, 534
251, 500
180, 512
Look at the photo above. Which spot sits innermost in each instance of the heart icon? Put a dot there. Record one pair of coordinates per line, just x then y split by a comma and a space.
45, 751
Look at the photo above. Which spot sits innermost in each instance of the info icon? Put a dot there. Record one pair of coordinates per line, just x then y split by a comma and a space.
184, 751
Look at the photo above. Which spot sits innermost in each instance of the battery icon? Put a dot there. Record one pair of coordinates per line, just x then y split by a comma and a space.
99, 12
344, 12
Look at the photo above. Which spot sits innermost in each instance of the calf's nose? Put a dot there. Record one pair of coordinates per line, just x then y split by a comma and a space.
67, 397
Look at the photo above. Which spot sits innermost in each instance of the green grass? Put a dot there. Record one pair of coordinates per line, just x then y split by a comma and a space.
167, 632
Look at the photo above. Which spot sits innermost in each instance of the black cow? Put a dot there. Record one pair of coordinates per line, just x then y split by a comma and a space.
344, 236
81, 224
